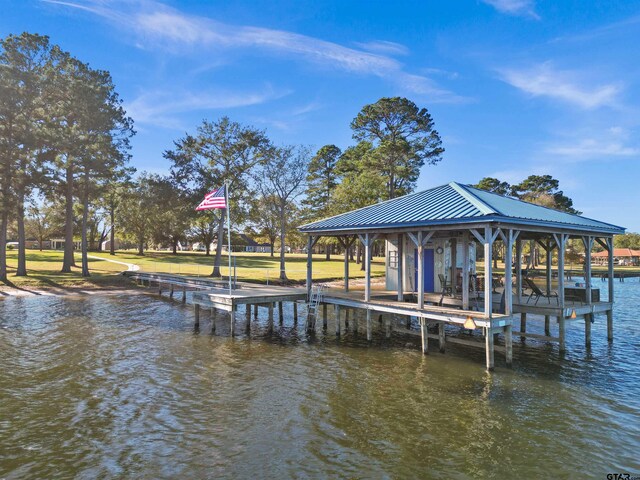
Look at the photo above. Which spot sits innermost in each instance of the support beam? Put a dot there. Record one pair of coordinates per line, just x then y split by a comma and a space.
489, 351
441, 337
488, 277
337, 313
587, 329
196, 313
420, 272
270, 319
232, 321
561, 333
346, 319
508, 237
255, 311
280, 314
609, 241
324, 316
309, 266
400, 267
518, 261
295, 313
466, 270
588, 246
425, 338
561, 242
369, 332
247, 318
454, 262
508, 344
523, 323
547, 325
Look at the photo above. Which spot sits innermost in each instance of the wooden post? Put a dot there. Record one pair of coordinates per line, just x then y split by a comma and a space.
508, 266
441, 336
454, 263
561, 242
255, 311
171, 292
295, 313
549, 249
270, 321
232, 320
587, 329
610, 275
309, 265
369, 333
408, 320
508, 344
324, 316
561, 332
337, 313
367, 268
247, 318
346, 319
196, 312
588, 245
184, 294
488, 338
547, 325
159, 288
212, 312
523, 323
347, 246
420, 271
488, 277
518, 260
425, 338
280, 314
465, 270
387, 326
400, 267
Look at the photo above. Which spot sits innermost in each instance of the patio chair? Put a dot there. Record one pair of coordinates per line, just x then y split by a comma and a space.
537, 293
447, 287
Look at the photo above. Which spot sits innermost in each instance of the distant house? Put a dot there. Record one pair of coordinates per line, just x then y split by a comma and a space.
252, 246
106, 245
58, 244
621, 256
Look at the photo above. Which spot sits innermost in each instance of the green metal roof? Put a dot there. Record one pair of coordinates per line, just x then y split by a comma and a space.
451, 204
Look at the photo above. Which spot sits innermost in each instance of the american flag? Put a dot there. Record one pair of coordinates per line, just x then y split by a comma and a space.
214, 199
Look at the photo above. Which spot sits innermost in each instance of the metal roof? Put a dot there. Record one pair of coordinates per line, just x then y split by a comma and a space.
451, 204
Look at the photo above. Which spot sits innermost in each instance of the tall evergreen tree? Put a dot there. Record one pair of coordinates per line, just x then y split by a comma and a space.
404, 138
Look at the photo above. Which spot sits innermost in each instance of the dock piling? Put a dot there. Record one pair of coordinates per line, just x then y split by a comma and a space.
508, 344
424, 334
587, 330
247, 327
610, 325
561, 324
369, 334
270, 318
488, 336
295, 313
441, 336
280, 314
337, 313
324, 316
196, 313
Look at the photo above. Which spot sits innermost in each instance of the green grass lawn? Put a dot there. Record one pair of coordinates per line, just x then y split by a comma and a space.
44, 268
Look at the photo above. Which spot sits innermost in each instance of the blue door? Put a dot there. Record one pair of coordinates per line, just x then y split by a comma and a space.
429, 269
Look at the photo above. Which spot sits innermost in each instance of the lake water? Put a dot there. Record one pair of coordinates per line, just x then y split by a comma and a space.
122, 387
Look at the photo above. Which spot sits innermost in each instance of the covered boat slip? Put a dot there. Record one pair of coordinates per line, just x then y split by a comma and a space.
426, 233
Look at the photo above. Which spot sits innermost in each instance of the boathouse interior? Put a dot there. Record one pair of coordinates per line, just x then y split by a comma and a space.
432, 240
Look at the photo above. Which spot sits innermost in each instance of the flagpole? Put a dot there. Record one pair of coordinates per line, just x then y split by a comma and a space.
226, 192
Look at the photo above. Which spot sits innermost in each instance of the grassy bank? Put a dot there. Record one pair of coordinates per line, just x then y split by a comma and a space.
44, 268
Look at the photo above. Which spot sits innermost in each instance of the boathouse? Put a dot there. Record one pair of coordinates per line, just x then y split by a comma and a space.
432, 239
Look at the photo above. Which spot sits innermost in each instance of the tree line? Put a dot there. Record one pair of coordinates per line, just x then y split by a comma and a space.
63, 135
65, 153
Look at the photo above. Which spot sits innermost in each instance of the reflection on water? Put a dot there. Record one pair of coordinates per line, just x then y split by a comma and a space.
106, 387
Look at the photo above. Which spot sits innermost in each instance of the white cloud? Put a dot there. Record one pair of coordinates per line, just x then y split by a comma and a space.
545, 80
384, 47
591, 148
156, 25
608, 144
524, 8
162, 108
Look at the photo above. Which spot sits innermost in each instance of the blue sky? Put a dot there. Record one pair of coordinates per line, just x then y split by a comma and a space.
516, 87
